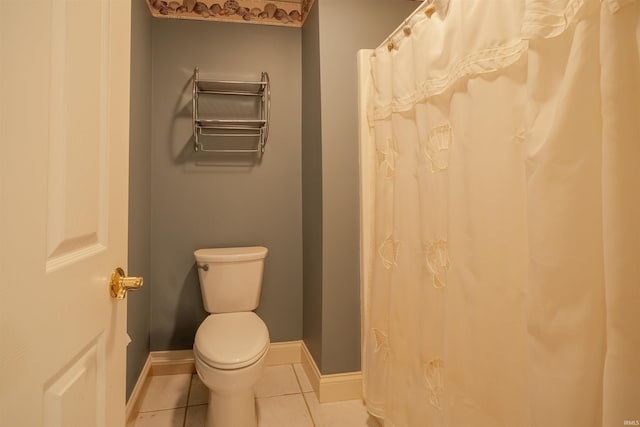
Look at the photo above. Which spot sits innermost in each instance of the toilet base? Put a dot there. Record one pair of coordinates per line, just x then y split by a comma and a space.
231, 393
232, 410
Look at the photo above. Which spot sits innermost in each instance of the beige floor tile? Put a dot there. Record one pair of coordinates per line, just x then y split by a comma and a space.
350, 413
305, 384
277, 381
283, 411
199, 394
165, 392
167, 418
196, 416
279, 403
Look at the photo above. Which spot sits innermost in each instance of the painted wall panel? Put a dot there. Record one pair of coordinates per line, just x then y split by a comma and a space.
345, 27
312, 185
196, 204
139, 302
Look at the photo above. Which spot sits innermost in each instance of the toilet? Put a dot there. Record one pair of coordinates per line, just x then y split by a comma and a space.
231, 343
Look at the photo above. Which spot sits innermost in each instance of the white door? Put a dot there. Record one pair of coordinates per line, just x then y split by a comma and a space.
64, 118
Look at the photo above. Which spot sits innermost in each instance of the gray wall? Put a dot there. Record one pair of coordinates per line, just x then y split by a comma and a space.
138, 304
342, 29
306, 183
312, 185
196, 204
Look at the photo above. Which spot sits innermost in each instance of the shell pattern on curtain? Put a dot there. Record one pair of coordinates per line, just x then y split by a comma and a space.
504, 285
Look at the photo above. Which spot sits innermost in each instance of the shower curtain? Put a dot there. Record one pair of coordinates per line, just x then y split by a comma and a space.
500, 167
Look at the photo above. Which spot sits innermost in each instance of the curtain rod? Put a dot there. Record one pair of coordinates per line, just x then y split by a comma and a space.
426, 6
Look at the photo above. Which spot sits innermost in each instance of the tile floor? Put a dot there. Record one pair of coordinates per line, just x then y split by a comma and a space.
284, 398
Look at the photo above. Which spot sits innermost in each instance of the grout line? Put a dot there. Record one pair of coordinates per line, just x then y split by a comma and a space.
278, 395
304, 399
189, 390
162, 409
313, 421
186, 409
297, 378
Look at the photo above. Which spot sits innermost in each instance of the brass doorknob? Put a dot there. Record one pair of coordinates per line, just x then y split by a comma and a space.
120, 283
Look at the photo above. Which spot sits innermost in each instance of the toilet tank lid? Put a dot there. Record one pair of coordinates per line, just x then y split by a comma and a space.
248, 253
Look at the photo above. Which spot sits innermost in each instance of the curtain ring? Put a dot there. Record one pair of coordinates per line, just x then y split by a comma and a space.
429, 10
390, 46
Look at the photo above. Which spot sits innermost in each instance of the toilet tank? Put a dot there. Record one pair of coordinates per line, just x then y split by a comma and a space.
230, 278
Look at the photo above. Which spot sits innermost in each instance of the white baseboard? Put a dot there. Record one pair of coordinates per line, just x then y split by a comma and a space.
332, 387
328, 388
137, 389
160, 363
284, 353
172, 362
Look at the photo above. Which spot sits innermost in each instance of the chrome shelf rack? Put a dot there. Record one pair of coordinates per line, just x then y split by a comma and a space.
215, 134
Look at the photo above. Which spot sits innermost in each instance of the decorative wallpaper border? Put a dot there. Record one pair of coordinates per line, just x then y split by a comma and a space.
265, 12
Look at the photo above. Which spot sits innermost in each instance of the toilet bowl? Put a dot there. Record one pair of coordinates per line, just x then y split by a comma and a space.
230, 350
231, 344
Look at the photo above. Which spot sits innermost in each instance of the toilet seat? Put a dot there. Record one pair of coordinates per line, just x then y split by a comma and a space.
231, 340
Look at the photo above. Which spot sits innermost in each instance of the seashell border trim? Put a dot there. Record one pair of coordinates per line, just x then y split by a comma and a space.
264, 12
